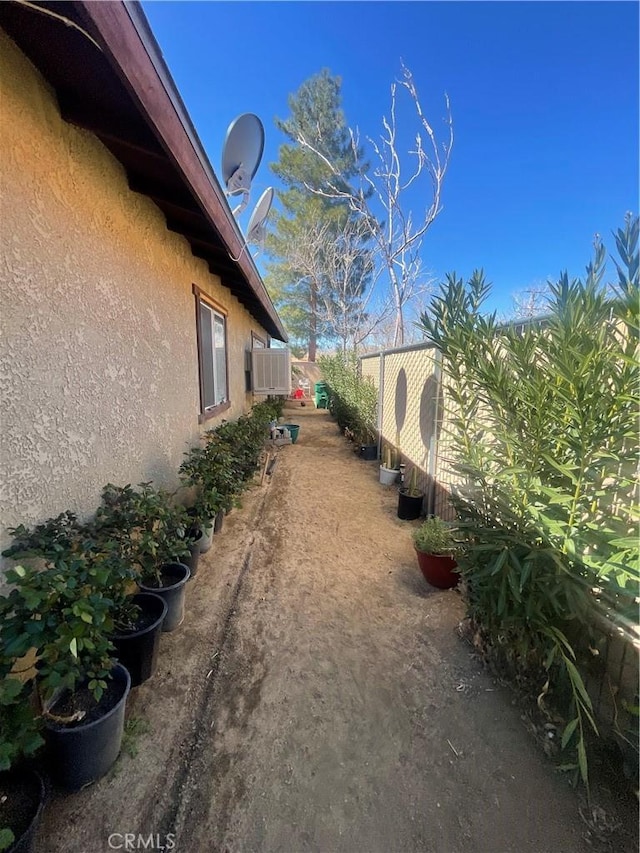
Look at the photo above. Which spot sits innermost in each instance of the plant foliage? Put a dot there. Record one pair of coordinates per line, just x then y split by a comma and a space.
353, 399
543, 422
434, 536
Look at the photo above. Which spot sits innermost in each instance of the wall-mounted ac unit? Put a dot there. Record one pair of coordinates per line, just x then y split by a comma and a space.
271, 371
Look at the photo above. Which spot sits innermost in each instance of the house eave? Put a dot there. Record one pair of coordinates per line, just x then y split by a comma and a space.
122, 91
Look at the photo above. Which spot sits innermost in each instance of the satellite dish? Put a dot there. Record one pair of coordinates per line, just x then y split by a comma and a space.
256, 227
241, 155
256, 230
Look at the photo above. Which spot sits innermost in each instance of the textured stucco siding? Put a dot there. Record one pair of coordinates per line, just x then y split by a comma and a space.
98, 355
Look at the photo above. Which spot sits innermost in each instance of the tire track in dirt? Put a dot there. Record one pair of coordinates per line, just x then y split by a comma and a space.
191, 786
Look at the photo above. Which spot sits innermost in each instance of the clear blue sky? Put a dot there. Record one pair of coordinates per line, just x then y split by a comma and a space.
544, 97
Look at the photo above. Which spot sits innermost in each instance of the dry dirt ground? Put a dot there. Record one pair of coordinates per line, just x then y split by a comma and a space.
318, 698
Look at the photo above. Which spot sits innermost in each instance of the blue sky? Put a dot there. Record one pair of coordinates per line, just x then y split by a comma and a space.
544, 97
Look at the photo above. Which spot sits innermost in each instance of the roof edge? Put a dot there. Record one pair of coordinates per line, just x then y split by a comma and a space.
133, 51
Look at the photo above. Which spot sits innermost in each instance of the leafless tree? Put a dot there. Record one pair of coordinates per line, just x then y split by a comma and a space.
528, 303
397, 237
335, 265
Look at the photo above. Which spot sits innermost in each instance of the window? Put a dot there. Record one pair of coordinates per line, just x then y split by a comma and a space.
211, 326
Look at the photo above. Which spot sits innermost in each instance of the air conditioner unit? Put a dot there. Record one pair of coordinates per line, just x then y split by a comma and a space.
271, 371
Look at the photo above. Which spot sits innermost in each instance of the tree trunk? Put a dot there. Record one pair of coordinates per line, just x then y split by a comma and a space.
313, 321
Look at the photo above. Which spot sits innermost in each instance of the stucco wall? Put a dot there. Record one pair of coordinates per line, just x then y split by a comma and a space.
98, 357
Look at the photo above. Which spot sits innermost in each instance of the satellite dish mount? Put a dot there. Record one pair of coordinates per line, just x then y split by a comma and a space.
256, 230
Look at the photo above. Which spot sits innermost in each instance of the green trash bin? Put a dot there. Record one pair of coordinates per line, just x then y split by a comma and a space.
321, 395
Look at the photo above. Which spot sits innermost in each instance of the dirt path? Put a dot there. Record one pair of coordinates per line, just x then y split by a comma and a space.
317, 697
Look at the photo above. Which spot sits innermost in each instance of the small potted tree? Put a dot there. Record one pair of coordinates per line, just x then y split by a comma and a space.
435, 547
62, 614
151, 536
195, 472
137, 618
410, 498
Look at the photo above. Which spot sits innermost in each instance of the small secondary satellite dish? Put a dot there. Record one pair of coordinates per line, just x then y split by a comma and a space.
241, 156
256, 227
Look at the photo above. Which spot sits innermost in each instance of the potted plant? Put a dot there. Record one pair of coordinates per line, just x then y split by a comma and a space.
22, 791
435, 547
367, 443
151, 536
61, 613
136, 638
388, 469
410, 498
137, 618
196, 473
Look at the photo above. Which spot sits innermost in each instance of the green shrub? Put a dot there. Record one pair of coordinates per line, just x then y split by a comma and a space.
146, 527
353, 399
543, 425
222, 468
434, 536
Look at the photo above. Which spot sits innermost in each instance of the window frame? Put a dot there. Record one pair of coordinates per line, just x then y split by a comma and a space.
202, 298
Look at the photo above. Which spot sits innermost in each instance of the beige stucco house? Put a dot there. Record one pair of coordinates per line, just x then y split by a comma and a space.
125, 322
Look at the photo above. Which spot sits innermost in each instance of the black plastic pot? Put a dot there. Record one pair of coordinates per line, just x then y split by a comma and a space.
409, 506
368, 451
138, 650
83, 753
175, 577
194, 552
218, 522
26, 788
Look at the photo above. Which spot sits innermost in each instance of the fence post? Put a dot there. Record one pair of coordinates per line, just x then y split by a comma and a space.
433, 442
380, 403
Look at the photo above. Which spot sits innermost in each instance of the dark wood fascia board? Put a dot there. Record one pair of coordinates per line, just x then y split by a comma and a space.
124, 48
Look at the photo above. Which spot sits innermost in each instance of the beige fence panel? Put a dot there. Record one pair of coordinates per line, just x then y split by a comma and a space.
410, 414
414, 416
370, 369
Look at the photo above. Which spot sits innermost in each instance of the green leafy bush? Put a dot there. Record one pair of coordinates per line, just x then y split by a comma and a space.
353, 399
543, 424
221, 469
434, 536
19, 724
145, 526
63, 612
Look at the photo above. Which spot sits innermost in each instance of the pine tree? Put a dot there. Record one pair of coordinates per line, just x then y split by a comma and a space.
302, 274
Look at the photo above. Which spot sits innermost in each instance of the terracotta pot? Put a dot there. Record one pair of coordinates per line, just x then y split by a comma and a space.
438, 569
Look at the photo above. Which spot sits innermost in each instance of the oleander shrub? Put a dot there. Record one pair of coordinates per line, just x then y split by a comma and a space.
353, 399
542, 420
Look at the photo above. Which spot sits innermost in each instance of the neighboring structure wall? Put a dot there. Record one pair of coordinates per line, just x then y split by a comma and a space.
98, 359
410, 416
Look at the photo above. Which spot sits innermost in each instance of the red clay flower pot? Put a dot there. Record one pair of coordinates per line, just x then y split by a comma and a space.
438, 569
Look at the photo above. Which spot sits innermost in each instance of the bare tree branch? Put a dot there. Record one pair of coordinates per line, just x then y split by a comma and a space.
397, 238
